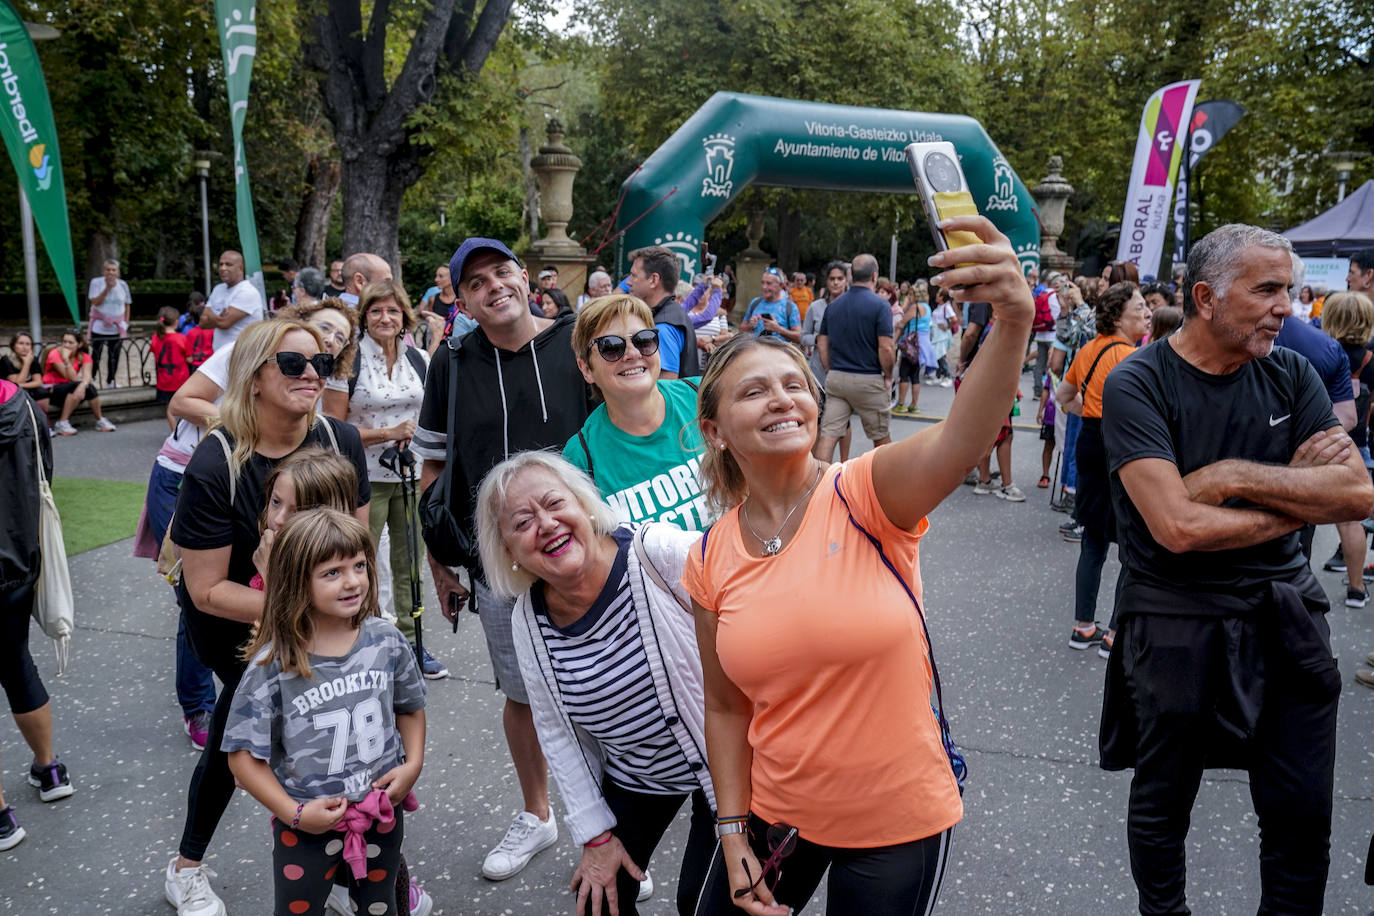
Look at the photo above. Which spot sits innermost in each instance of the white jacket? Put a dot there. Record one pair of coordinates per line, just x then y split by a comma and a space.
670, 642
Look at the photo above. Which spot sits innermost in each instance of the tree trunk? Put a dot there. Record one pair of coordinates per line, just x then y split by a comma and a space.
530, 213
312, 224
789, 233
100, 247
372, 187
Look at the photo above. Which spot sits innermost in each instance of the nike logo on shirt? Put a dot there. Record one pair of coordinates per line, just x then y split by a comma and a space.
1274, 422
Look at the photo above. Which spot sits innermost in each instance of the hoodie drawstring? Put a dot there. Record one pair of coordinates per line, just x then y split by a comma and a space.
501, 384
505, 416
538, 382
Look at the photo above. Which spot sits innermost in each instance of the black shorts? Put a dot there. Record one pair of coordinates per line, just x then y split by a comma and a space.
163, 397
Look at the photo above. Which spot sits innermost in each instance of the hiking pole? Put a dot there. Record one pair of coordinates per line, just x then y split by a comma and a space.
402, 464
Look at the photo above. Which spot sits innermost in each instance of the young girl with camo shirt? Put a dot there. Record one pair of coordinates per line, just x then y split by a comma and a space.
327, 726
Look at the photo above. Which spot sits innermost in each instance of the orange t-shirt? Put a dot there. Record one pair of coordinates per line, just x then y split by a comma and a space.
1083, 361
803, 296
828, 648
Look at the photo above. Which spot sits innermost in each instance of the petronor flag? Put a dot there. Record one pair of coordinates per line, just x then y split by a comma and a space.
1159, 148
30, 135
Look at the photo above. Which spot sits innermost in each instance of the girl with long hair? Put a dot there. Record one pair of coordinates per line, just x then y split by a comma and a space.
327, 728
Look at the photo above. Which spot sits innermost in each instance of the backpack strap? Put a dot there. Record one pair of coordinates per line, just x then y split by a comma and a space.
328, 426
1083, 389
417, 362
693, 383
218, 435
353, 376
956, 759
591, 471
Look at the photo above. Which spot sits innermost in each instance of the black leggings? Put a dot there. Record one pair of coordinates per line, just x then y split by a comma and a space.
23, 687
641, 820
100, 342
304, 867
216, 642
901, 880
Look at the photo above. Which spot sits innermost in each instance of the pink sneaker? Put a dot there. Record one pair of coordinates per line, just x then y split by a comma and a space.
198, 727
421, 904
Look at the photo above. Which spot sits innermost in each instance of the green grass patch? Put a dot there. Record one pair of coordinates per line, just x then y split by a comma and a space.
97, 512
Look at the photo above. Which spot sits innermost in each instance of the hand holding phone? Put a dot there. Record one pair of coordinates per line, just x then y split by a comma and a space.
943, 191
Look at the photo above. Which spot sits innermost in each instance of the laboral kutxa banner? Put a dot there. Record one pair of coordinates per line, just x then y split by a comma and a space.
238, 40
1158, 149
31, 137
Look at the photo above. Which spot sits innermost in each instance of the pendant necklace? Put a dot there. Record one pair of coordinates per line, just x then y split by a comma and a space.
772, 545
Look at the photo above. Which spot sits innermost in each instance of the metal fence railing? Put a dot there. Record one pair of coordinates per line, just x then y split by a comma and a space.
136, 365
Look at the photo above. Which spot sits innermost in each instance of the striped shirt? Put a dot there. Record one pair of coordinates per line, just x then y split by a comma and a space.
603, 675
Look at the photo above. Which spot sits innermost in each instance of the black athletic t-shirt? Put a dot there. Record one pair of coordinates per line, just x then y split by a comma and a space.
1157, 405
204, 519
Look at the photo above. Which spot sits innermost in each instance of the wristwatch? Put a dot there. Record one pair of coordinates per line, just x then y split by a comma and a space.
724, 830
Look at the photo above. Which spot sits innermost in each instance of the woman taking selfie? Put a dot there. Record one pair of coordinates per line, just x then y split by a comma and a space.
822, 727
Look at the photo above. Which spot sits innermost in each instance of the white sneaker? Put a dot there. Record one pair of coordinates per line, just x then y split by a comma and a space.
527, 835
189, 891
946, 382
983, 489
421, 903
64, 428
105, 426
646, 887
338, 902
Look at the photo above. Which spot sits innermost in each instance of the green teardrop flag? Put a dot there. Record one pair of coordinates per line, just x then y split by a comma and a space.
31, 137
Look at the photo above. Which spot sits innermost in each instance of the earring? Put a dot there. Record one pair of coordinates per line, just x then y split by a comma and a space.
722, 446
515, 567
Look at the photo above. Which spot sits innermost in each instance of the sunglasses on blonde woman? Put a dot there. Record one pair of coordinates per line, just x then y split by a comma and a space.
292, 364
612, 346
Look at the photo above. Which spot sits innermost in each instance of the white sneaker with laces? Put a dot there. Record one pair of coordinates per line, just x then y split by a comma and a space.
64, 428
189, 891
1011, 492
646, 887
338, 902
526, 836
105, 426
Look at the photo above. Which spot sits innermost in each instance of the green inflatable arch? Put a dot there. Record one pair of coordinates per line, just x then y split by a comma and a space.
735, 140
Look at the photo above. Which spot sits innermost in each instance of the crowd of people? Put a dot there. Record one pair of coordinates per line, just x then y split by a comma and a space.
638, 490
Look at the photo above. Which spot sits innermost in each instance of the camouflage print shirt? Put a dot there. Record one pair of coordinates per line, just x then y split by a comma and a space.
333, 733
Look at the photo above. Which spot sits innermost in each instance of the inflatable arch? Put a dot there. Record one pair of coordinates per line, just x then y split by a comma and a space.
735, 140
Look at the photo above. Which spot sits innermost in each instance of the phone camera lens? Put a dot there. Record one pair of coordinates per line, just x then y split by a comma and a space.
942, 173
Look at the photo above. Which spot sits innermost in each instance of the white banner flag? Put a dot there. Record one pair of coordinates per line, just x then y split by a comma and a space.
1158, 149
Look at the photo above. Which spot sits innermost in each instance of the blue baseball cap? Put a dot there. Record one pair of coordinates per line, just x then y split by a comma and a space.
471, 247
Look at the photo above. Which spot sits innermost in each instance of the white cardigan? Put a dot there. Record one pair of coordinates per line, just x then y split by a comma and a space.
670, 642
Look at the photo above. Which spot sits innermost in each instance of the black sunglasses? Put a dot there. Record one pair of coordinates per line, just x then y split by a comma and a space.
782, 842
292, 364
612, 346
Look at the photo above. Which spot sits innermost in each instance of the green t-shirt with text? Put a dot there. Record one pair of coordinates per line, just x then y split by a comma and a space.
653, 477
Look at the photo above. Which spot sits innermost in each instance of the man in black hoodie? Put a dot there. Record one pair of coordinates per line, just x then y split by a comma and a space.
518, 388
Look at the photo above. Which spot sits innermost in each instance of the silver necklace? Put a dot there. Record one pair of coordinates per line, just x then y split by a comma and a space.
772, 545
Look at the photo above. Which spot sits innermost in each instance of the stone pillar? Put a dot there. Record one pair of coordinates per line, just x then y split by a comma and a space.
1051, 195
555, 168
750, 264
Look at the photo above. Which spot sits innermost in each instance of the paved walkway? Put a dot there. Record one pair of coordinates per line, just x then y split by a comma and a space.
1044, 830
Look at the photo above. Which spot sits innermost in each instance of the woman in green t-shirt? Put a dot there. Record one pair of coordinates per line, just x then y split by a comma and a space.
641, 445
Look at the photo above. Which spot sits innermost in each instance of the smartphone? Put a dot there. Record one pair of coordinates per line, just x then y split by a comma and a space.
943, 190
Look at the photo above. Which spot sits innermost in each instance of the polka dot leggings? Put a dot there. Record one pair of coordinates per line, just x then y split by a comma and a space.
304, 865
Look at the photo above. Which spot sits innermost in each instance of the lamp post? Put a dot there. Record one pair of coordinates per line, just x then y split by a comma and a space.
37, 32
202, 164
1344, 163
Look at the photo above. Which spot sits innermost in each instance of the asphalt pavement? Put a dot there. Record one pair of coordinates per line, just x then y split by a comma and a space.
1044, 828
